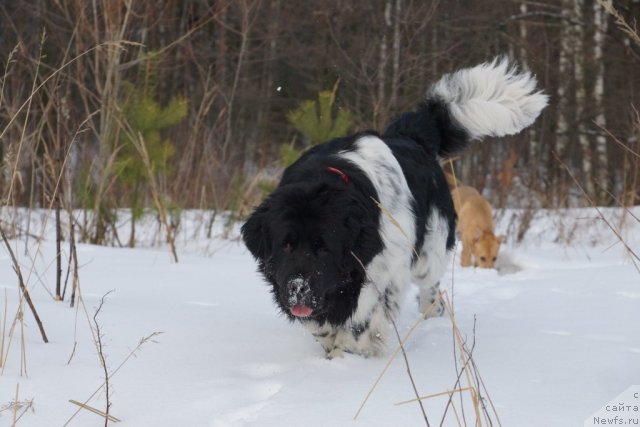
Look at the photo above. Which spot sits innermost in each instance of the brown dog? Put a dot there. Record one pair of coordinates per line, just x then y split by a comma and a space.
475, 224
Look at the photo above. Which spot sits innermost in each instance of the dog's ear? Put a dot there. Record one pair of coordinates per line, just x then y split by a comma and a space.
501, 238
255, 232
364, 237
477, 234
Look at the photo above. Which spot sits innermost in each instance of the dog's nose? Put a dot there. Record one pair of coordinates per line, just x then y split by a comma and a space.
298, 291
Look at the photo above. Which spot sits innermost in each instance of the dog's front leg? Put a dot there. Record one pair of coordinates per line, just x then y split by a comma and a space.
325, 334
365, 336
465, 256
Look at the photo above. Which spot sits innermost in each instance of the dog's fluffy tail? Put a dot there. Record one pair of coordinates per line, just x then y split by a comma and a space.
490, 99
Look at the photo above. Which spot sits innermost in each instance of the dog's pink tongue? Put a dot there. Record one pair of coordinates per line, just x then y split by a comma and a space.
301, 310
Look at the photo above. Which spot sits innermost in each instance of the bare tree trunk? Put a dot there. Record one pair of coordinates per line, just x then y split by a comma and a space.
395, 77
579, 55
522, 29
600, 19
532, 143
267, 92
434, 51
115, 25
564, 68
382, 66
245, 30
562, 140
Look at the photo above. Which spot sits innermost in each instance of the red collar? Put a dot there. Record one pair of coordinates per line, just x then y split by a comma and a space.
338, 172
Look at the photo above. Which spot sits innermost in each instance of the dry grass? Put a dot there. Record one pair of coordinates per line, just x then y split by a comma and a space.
143, 341
158, 198
17, 407
4, 330
107, 417
635, 259
57, 180
473, 383
625, 27
469, 372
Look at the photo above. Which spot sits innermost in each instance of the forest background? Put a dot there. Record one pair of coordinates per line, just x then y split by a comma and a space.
181, 104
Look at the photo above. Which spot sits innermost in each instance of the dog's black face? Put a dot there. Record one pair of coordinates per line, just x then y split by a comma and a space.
311, 240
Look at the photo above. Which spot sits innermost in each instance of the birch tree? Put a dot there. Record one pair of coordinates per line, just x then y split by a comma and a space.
600, 19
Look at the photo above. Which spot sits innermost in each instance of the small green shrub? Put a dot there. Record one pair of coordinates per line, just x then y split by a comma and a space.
145, 119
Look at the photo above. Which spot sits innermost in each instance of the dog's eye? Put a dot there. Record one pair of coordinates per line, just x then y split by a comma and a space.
494, 259
483, 259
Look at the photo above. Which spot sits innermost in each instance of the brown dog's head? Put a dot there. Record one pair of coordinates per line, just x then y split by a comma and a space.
485, 248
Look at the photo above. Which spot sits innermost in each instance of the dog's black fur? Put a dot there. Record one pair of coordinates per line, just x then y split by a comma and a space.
318, 226
316, 235
311, 225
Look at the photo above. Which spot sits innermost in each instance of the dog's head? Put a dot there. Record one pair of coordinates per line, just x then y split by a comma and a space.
310, 239
485, 248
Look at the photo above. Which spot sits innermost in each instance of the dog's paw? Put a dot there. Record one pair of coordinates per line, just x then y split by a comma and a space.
437, 309
434, 309
335, 353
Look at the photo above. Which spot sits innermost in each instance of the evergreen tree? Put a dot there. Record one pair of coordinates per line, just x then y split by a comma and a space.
146, 119
318, 121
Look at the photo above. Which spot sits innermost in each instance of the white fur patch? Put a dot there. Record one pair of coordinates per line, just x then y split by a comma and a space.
389, 271
432, 262
491, 99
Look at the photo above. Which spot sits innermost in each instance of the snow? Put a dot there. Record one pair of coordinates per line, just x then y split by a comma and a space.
556, 336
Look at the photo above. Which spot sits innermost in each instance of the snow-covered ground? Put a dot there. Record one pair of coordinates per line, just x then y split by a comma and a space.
557, 334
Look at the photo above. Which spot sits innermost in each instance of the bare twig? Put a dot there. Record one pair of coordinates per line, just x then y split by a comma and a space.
408, 366
4, 329
426, 314
15, 407
141, 147
148, 338
631, 32
23, 288
617, 141
468, 354
72, 248
74, 257
430, 396
95, 411
593, 205
401, 347
103, 361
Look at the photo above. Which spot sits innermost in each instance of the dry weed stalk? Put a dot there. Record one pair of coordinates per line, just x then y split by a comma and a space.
74, 258
4, 330
95, 411
633, 256
81, 303
469, 368
103, 361
148, 338
430, 396
631, 32
17, 407
158, 199
400, 348
23, 288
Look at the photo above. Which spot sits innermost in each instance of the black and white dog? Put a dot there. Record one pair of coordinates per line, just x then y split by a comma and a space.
356, 219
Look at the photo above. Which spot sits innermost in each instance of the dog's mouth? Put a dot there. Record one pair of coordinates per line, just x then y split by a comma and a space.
300, 310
